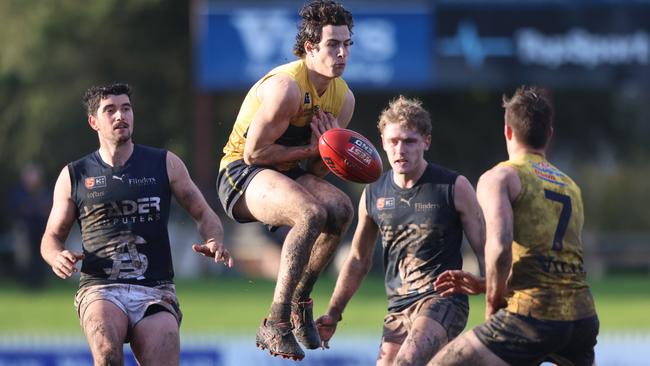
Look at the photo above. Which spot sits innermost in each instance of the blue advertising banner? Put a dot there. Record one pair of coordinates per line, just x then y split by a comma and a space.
212, 350
564, 44
236, 44
439, 44
81, 357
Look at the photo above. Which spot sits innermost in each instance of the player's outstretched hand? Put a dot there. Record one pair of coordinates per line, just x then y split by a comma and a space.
459, 282
65, 263
218, 251
326, 328
323, 121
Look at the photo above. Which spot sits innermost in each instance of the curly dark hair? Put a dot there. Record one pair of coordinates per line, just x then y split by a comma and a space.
529, 112
94, 95
315, 16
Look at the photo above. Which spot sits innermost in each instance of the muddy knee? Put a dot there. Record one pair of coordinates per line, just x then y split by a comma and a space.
314, 217
340, 213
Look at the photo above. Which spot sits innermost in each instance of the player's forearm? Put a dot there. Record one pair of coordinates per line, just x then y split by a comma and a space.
209, 226
347, 284
498, 267
275, 154
481, 262
477, 243
474, 226
51, 246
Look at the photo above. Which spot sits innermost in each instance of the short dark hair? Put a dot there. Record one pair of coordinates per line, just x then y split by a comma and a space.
529, 112
94, 95
315, 16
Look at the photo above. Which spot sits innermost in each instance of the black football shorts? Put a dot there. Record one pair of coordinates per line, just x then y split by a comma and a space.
523, 340
235, 177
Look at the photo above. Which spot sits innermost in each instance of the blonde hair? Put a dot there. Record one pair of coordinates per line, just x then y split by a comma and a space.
409, 113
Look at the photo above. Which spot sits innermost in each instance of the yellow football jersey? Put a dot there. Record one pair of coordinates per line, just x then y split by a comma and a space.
299, 131
547, 280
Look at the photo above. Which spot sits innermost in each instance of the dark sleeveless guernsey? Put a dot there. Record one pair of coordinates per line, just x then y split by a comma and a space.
123, 213
421, 232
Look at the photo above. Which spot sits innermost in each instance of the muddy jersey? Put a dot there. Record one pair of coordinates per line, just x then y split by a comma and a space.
299, 131
123, 213
421, 232
548, 279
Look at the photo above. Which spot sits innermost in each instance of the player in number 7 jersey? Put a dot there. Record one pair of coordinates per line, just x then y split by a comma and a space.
538, 303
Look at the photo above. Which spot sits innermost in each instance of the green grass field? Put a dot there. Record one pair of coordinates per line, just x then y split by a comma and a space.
226, 305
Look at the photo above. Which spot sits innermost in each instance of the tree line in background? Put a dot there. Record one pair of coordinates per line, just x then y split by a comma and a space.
52, 51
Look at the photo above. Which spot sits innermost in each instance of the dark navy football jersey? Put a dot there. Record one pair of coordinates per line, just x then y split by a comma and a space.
421, 232
123, 213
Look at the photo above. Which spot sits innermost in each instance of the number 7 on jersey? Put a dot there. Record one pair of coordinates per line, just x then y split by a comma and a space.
565, 215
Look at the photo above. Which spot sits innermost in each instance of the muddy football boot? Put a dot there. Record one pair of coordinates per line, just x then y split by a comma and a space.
278, 339
302, 318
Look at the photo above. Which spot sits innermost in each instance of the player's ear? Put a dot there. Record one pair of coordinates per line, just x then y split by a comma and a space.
310, 48
92, 121
427, 142
507, 131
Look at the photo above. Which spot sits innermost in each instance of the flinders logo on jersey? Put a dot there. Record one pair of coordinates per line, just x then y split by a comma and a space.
427, 206
142, 181
95, 182
385, 203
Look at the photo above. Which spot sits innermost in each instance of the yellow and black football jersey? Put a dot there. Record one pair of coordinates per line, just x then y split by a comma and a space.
299, 131
548, 280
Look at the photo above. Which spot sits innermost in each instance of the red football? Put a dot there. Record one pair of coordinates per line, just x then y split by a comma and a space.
350, 156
